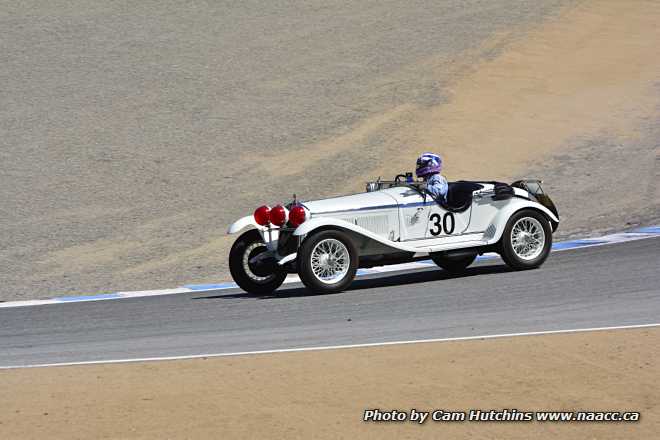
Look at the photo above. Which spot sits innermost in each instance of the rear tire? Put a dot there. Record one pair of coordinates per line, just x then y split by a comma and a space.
454, 266
327, 262
526, 240
248, 245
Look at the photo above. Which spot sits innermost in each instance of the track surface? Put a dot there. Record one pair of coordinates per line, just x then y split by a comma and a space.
594, 287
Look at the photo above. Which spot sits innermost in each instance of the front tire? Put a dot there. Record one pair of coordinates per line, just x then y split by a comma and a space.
249, 278
327, 262
526, 240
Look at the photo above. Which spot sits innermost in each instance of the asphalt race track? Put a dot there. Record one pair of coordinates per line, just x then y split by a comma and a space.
595, 287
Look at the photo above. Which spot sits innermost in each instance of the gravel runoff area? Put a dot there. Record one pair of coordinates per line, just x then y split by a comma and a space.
133, 134
327, 394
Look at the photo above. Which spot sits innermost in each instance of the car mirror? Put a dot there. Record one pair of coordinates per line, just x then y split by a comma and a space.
372, 186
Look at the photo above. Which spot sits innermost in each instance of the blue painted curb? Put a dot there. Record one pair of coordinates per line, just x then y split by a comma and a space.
635, 234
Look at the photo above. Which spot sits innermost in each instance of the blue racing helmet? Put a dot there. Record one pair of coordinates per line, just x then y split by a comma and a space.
427, 164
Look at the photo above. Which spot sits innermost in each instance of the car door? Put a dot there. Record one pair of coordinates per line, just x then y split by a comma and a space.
444, 223
413, 214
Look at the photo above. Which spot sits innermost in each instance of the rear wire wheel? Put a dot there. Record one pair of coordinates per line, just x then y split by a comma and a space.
454, 266
526, 240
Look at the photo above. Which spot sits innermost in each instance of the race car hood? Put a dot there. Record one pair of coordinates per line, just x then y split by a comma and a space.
355, 202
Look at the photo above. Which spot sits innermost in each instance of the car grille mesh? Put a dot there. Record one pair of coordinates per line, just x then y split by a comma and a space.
377, 224
490, 232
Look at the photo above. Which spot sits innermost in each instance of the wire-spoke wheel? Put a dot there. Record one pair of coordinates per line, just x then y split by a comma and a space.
527, 239
248, 276
327, 261
330, 261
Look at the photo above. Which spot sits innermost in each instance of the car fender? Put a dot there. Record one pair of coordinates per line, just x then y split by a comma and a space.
324, 222
516, 204
245, 222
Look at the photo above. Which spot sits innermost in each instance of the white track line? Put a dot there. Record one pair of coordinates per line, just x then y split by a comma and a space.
331, 347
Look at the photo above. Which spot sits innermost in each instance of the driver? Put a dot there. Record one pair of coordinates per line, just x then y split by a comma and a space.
428, 168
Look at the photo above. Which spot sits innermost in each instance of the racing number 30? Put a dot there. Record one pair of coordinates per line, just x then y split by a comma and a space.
440, 223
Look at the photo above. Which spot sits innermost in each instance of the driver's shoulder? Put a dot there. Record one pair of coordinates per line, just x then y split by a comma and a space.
437, 178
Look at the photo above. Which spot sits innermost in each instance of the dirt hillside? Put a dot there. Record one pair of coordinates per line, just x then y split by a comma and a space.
133, 134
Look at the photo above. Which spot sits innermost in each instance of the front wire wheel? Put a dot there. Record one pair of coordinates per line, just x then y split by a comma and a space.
330, 261
327, 262
526, 241
249, 277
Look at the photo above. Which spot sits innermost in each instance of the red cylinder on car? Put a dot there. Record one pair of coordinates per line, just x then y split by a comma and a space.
297, 216
262, 215
279, 215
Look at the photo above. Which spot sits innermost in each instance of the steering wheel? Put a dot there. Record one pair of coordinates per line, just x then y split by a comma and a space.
398, 178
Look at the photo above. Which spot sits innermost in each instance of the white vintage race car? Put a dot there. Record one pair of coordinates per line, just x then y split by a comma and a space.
326, 241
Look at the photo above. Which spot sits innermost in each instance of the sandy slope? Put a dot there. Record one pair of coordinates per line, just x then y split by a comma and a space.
132, 135
323, 394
